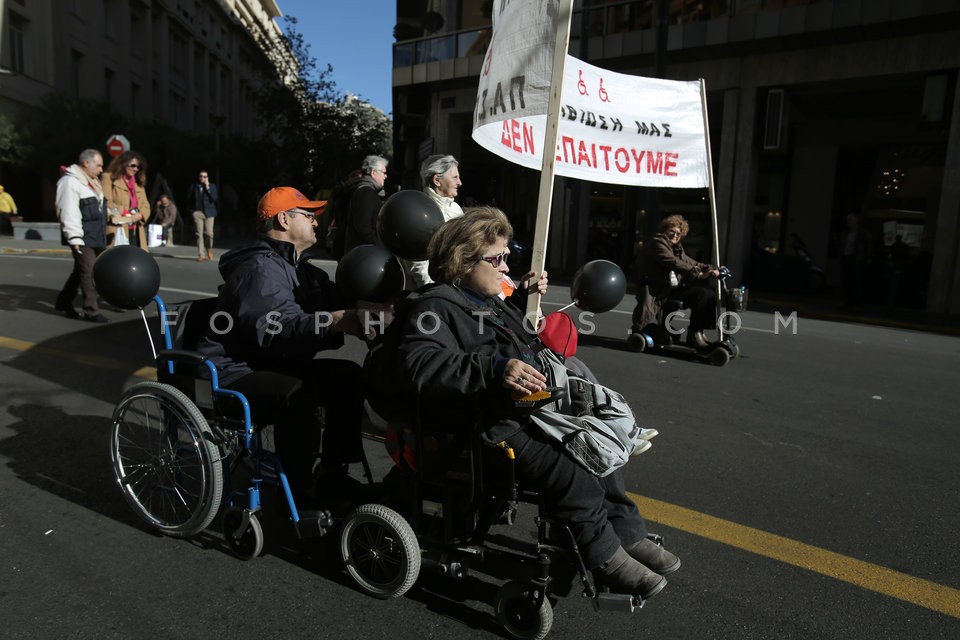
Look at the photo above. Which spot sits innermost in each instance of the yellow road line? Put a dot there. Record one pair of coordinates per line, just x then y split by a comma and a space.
149, 373
917, 591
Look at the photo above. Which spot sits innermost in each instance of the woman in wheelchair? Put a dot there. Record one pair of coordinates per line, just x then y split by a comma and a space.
665, 271
463, 348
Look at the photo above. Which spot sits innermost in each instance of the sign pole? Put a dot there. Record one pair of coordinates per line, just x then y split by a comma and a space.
545, 198
713, 196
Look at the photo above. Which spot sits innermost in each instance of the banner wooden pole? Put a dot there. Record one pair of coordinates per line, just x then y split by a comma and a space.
545, 198
713, 196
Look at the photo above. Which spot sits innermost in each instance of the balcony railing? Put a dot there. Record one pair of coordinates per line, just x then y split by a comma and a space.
607, 19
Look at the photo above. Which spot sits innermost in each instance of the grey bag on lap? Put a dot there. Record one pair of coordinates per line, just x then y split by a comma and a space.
594, 423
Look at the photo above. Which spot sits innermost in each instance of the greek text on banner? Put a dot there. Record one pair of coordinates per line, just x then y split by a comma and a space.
614, 128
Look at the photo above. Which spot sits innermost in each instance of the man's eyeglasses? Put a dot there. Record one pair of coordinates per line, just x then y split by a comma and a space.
306, 214
495, 261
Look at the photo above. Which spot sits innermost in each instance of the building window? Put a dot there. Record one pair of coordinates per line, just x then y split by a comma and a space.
177, 104
134, 101
76, 72
108, 76
18, 27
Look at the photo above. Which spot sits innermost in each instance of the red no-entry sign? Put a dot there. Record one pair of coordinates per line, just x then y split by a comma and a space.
117, 144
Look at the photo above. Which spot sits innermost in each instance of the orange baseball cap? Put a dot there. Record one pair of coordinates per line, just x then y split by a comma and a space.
284, 199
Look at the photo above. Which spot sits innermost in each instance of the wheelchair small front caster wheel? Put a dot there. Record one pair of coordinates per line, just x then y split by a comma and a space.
636, 342
719, 356
519, 615
243, 533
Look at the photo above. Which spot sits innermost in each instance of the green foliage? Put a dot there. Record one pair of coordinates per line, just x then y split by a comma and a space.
12, 146
318, 134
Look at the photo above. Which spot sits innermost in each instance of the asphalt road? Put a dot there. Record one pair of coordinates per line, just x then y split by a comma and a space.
810, 488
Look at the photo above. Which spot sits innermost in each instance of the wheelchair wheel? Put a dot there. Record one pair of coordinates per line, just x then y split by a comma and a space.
246, 543
165, 460
636, 342
380, 551
518, 614
719, 356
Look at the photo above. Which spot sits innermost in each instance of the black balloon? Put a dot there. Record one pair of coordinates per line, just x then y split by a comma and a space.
598, 286
407, 221
126, 276
369, 272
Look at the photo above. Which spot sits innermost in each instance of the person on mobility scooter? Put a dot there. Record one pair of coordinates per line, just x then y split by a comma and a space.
666, 272
464, 351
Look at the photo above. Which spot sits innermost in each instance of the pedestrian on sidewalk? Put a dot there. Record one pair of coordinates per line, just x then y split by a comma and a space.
124, 186
82, 211
8, 209
203, 200
166, 216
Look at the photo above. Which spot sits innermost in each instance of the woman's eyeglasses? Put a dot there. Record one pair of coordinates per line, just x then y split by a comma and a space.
133, 165
495, 261
672, 233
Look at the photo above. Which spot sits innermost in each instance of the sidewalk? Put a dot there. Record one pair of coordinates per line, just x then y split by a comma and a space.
805, 307
184, 251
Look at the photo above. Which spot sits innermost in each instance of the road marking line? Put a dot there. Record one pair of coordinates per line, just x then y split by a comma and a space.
102, 362
917, 591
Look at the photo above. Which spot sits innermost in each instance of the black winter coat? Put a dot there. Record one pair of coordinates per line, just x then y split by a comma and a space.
453, 353
272, 305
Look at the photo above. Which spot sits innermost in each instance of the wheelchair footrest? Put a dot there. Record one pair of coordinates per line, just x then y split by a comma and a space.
314, 524
623, 602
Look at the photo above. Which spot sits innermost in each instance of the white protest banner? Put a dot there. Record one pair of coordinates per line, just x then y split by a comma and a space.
614, 128
515, 77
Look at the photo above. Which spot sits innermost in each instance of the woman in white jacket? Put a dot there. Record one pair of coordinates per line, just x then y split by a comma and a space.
441, 180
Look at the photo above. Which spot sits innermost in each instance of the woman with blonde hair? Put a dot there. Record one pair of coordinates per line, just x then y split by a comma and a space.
128, 208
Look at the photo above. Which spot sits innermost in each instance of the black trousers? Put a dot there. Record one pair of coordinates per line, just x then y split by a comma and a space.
701, 299
597, 510
81, 277
321, 417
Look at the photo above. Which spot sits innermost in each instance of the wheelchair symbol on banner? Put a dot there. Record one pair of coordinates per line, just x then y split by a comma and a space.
581, 85
582, 88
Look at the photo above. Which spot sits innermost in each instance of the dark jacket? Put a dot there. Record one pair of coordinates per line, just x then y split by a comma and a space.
362, 218
271, 305
205, 200
657, 259
453, 353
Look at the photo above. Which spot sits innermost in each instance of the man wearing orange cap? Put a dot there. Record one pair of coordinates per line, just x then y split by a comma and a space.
283, 311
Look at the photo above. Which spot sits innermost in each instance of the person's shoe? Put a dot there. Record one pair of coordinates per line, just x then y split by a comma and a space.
697, 340
97, 318
209, 254
648, 434
623, 574
642, 446
200, 258
68, 311
653, 556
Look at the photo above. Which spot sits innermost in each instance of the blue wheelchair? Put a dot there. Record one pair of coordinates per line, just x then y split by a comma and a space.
178, 443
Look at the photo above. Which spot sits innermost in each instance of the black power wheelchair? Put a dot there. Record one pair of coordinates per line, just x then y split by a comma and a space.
177, 444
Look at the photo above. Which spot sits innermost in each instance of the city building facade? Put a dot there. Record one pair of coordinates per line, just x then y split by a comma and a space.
818, 109
193, 65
